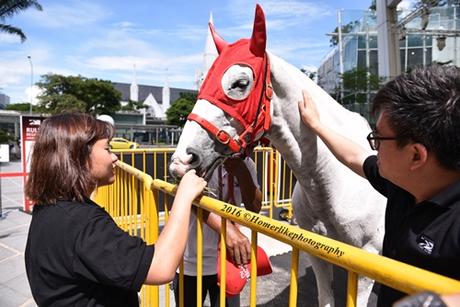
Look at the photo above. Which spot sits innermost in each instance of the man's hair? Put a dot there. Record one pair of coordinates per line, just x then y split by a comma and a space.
423, 106
60, 164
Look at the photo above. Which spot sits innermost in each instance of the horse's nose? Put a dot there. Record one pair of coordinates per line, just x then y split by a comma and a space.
196, 160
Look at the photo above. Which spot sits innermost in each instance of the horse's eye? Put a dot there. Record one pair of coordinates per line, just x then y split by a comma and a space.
237, 81
241, 83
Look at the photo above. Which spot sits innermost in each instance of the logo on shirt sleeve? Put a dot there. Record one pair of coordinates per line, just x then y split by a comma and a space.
425, 244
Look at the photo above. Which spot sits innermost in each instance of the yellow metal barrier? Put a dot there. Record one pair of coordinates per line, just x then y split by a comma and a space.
133, 204
133, 201
395, 274
275, 178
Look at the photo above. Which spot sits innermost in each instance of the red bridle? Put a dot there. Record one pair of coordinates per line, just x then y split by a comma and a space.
254, 128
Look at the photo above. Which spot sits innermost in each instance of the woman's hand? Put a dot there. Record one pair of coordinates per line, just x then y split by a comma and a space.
191, 186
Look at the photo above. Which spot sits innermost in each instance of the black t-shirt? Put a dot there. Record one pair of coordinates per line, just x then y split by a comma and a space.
77, 256
426, 235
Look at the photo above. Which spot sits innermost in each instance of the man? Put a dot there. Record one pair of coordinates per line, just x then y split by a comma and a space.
235, 182
417, 167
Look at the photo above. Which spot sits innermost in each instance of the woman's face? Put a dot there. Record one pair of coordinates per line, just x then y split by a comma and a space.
102, 163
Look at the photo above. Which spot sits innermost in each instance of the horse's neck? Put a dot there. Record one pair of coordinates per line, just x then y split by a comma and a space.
305, 154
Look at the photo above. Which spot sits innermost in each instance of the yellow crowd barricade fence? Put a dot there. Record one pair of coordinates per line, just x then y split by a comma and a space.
274, 176
134, 201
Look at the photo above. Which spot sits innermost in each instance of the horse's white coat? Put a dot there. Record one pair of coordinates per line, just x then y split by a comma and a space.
328, 198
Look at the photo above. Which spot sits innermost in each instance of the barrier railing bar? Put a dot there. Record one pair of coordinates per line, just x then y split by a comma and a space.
294, 277
379, 268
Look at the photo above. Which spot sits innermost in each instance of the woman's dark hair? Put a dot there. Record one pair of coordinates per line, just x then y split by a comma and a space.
60, 162
423, 106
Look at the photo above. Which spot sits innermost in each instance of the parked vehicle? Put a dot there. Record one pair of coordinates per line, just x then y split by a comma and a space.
121, 143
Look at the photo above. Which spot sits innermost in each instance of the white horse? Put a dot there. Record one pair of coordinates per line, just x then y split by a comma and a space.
249, 93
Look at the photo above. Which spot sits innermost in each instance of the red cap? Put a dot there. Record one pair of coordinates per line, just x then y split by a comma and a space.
237, 276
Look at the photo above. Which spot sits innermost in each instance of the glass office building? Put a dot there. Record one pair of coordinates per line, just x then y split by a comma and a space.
427, 38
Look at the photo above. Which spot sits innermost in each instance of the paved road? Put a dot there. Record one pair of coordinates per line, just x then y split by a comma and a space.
14, 224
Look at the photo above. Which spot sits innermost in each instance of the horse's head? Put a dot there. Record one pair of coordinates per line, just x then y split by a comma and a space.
233, 107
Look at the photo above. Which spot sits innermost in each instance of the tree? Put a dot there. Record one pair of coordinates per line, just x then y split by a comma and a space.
180, 109
20, 107
373, 6
357, 84
134, 106
5, 137
77, 93
310, 74
345, 29
9, 8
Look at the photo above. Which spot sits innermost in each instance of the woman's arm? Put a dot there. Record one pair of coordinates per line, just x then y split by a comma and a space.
170, 245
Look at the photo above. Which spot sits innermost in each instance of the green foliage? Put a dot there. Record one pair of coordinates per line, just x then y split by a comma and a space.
5, 137
9, 8
20, 107
334, 41
310, 74
134, 106
357, 83
77, 93
180, 109
373, 6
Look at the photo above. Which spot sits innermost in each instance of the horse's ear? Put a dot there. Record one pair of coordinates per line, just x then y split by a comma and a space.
218, 40
259, 34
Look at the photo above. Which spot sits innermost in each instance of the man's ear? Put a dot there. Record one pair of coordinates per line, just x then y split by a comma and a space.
419, 156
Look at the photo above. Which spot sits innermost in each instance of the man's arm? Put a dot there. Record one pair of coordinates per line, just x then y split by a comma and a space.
345, 150
238, 245
250, 193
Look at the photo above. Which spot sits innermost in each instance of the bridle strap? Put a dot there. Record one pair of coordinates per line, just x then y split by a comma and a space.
221, 135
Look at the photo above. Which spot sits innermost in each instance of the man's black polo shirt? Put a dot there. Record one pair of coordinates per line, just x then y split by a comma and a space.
426, 235
77, 256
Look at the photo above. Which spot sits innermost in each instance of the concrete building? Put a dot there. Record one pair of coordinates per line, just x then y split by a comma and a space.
157, 98
4, 100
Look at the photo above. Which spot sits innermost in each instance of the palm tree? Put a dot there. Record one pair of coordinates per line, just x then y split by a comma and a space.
8, 8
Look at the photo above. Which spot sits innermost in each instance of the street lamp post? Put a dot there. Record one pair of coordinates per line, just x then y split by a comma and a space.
31, 82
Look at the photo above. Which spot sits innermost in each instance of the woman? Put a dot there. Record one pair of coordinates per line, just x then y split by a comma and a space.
75, 253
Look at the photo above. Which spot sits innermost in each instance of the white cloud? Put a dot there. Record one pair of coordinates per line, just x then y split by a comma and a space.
76, 13
308, 11
406, 5
280, 16
9, 39
309, 68
146, 63
34, 91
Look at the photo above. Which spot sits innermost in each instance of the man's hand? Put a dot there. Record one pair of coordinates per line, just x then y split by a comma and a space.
308, 112
238, 245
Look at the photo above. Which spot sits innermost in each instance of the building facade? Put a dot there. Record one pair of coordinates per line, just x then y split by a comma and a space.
4, 101
350, 73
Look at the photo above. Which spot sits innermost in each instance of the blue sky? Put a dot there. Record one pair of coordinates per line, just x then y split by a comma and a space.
104, 39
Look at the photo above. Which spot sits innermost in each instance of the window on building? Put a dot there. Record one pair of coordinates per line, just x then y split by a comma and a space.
414, 57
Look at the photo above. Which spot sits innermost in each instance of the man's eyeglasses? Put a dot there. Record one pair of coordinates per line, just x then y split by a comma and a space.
374, 140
